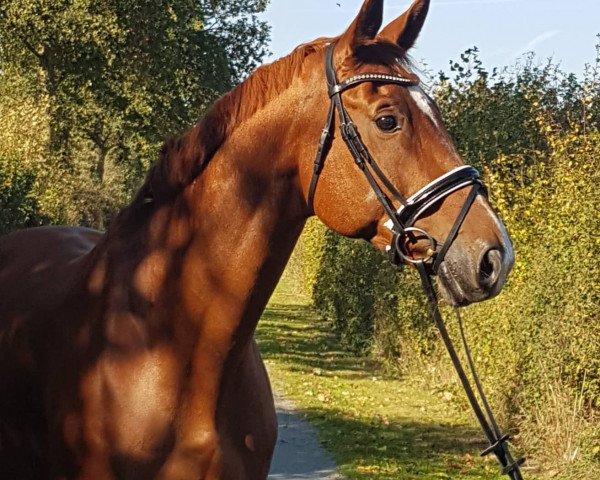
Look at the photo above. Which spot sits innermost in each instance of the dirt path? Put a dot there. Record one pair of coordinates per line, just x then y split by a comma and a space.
298, 454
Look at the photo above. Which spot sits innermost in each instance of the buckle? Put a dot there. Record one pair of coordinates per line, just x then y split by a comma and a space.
404, 256
496, 447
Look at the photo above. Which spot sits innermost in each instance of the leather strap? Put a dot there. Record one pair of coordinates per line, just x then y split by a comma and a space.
456, 227
498, 441
324, 146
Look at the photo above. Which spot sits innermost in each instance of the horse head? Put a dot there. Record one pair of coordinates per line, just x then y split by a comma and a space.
394, 177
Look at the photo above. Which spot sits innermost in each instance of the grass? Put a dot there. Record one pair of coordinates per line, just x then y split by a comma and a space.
375, 427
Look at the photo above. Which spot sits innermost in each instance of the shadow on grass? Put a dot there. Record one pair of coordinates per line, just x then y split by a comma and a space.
295, 335
403, 450
369, 448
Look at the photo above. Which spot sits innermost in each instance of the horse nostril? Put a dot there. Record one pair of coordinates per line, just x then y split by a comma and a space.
490, 268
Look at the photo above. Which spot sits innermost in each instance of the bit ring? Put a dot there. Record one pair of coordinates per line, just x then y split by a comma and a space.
404, 255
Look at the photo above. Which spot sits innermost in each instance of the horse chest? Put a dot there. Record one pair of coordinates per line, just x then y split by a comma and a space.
131, 403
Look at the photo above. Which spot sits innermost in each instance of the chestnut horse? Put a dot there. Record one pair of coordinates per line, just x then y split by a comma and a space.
131, 355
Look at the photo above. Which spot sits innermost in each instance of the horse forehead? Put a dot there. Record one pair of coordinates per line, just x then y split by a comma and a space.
430, 110
424, 103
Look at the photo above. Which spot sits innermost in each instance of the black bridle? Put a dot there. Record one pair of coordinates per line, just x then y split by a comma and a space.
411, 209
402, 225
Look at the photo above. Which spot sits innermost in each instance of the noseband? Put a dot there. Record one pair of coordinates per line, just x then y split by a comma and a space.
402, 225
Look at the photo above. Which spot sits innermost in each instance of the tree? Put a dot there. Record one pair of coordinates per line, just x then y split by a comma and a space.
122, 75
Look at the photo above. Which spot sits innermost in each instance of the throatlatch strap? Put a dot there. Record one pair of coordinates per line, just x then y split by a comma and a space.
498, 442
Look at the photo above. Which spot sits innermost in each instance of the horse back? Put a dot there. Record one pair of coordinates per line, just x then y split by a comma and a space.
43, 273
40, 248
38, 266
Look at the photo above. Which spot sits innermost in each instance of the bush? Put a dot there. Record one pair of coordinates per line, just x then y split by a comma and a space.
311, 247
18, 204
344, 291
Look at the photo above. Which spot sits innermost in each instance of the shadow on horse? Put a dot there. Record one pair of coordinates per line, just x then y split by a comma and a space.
131, 354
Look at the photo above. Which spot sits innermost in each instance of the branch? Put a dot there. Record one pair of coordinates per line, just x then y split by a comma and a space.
23, 39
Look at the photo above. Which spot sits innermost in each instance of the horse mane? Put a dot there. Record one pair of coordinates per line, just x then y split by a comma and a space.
183, 158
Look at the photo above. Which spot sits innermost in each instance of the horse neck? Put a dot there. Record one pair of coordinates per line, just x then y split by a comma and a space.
212, 257
250, 213
251, 205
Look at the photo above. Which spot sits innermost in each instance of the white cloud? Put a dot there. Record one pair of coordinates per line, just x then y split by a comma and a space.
537, 40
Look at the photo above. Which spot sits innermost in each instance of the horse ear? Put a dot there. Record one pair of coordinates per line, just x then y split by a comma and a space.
364, 27
406, 28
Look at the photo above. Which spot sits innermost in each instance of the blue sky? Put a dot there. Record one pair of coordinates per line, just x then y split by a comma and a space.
502, 29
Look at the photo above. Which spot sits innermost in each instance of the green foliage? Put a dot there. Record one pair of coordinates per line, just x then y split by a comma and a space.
18, 205
117, 79
344, 289
311, 246
538, 344
534, 132
243, 36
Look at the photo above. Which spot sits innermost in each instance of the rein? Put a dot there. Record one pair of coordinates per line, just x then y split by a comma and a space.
402, 223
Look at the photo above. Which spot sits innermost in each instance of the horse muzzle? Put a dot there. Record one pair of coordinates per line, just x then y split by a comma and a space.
466, 278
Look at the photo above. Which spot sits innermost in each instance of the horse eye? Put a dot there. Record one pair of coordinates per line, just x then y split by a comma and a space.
387, 124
